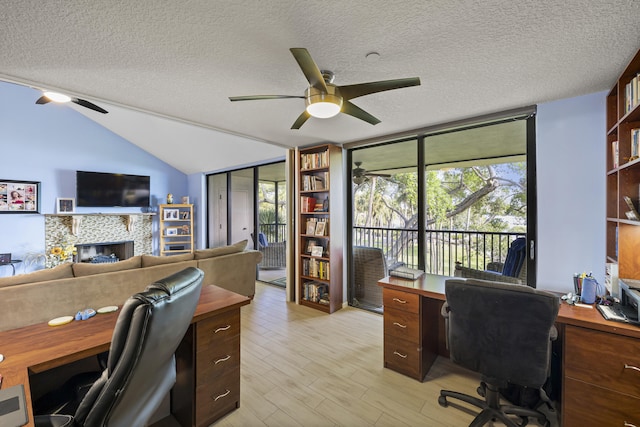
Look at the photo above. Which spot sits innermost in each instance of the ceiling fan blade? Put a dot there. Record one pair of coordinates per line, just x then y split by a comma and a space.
260, 97
361, 89
300, 120
89, 105
359, 113
43, 100
382, 175
309, 68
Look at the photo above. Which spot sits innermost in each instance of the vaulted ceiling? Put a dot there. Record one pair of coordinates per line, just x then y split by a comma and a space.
165, 70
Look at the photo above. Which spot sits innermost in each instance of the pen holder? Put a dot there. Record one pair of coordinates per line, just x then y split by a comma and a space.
589, 285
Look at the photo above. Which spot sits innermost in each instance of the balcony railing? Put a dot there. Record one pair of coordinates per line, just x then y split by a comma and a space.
474, 249
274, 232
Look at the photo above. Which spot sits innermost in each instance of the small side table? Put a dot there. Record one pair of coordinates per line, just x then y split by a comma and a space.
12, 263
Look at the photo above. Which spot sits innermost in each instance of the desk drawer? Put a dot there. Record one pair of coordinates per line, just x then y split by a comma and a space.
214, 399
218, 328
403, 356
608, 360
589, 405
399, 300
216, 361
402, 324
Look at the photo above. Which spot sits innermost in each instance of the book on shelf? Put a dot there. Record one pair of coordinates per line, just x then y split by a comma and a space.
406, 273
615, 154
313, 183
316, 292
307, 204
635, 144
314, 160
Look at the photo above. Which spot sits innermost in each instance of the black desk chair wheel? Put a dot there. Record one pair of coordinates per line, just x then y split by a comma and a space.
141, 364
504, 332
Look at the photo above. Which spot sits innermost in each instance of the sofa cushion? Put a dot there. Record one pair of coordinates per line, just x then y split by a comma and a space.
151, 260
224, 250
88, 269
62, 271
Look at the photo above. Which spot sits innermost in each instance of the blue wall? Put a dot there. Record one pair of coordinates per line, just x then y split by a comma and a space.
48, 143
570, 138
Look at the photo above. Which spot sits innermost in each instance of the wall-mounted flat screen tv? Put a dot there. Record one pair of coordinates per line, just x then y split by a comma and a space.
100, 189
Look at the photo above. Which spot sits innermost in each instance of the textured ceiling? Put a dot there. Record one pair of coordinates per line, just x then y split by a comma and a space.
181, 60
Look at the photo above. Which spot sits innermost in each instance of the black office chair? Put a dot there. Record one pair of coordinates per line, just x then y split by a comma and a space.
141, 364
504, 332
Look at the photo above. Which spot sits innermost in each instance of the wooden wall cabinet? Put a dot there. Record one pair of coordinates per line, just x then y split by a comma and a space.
623, 172
320, 227
176, 229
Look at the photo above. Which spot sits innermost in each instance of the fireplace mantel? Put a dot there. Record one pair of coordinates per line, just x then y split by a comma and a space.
76, 218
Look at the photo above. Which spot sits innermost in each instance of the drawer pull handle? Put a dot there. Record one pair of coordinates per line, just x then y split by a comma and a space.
401, 301
224, 359
222, 395
635, 368
400, 325
404, 356
626, 424
224, 328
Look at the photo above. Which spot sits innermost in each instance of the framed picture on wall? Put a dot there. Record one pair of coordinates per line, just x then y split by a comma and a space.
19, 196
65, 205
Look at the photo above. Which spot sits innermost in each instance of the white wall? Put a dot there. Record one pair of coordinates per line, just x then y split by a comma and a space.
571, 190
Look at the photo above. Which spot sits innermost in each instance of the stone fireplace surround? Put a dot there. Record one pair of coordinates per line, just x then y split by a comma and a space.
100, 229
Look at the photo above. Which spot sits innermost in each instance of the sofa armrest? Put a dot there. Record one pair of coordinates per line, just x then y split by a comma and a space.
235, 272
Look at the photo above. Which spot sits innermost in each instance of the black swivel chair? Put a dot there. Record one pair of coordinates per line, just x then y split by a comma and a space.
141, 366
504, 332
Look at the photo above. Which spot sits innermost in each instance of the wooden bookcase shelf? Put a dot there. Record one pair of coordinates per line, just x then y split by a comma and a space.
176, 229
623, 172
319, 269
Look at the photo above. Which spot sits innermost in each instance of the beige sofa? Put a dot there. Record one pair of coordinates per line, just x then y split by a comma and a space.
64, 290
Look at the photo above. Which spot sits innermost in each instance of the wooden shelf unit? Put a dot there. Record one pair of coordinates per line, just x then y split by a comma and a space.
176, 229
623, 173
319, 178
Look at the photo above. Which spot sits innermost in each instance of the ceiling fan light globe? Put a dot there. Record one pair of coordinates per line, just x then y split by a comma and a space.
57, 97
323, 105
323, 110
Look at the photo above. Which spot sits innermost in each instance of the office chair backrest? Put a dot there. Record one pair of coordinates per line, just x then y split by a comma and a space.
141, 364
501, 330
515, 257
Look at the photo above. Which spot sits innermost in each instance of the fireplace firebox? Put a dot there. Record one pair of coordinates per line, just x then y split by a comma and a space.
104, 251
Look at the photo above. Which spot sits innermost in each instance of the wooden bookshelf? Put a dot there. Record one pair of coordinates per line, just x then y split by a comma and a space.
176, 229
320, 225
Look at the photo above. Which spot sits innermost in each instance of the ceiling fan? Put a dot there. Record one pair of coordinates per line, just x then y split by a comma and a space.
325, 99
61, 98
360, 175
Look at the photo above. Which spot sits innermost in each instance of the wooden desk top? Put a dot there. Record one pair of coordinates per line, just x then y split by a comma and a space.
428, 285
432, 286
40, 347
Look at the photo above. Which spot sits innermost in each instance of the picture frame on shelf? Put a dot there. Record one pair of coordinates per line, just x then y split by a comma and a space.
19, 197
320, 228
172, 231
316, 251
311, 243
185, 200
184, 230
184, 214
311, 226
171, 214
65, 205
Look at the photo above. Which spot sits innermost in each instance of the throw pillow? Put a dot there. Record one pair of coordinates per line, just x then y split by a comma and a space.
151, 260
89, 269
224, 250
62, 271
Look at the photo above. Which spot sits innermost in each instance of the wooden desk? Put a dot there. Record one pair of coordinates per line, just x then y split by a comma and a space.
600, 370
40, 347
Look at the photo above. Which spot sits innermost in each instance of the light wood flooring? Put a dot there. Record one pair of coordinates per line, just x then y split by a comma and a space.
301, 367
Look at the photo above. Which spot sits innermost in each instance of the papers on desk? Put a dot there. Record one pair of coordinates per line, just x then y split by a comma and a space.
406, 273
